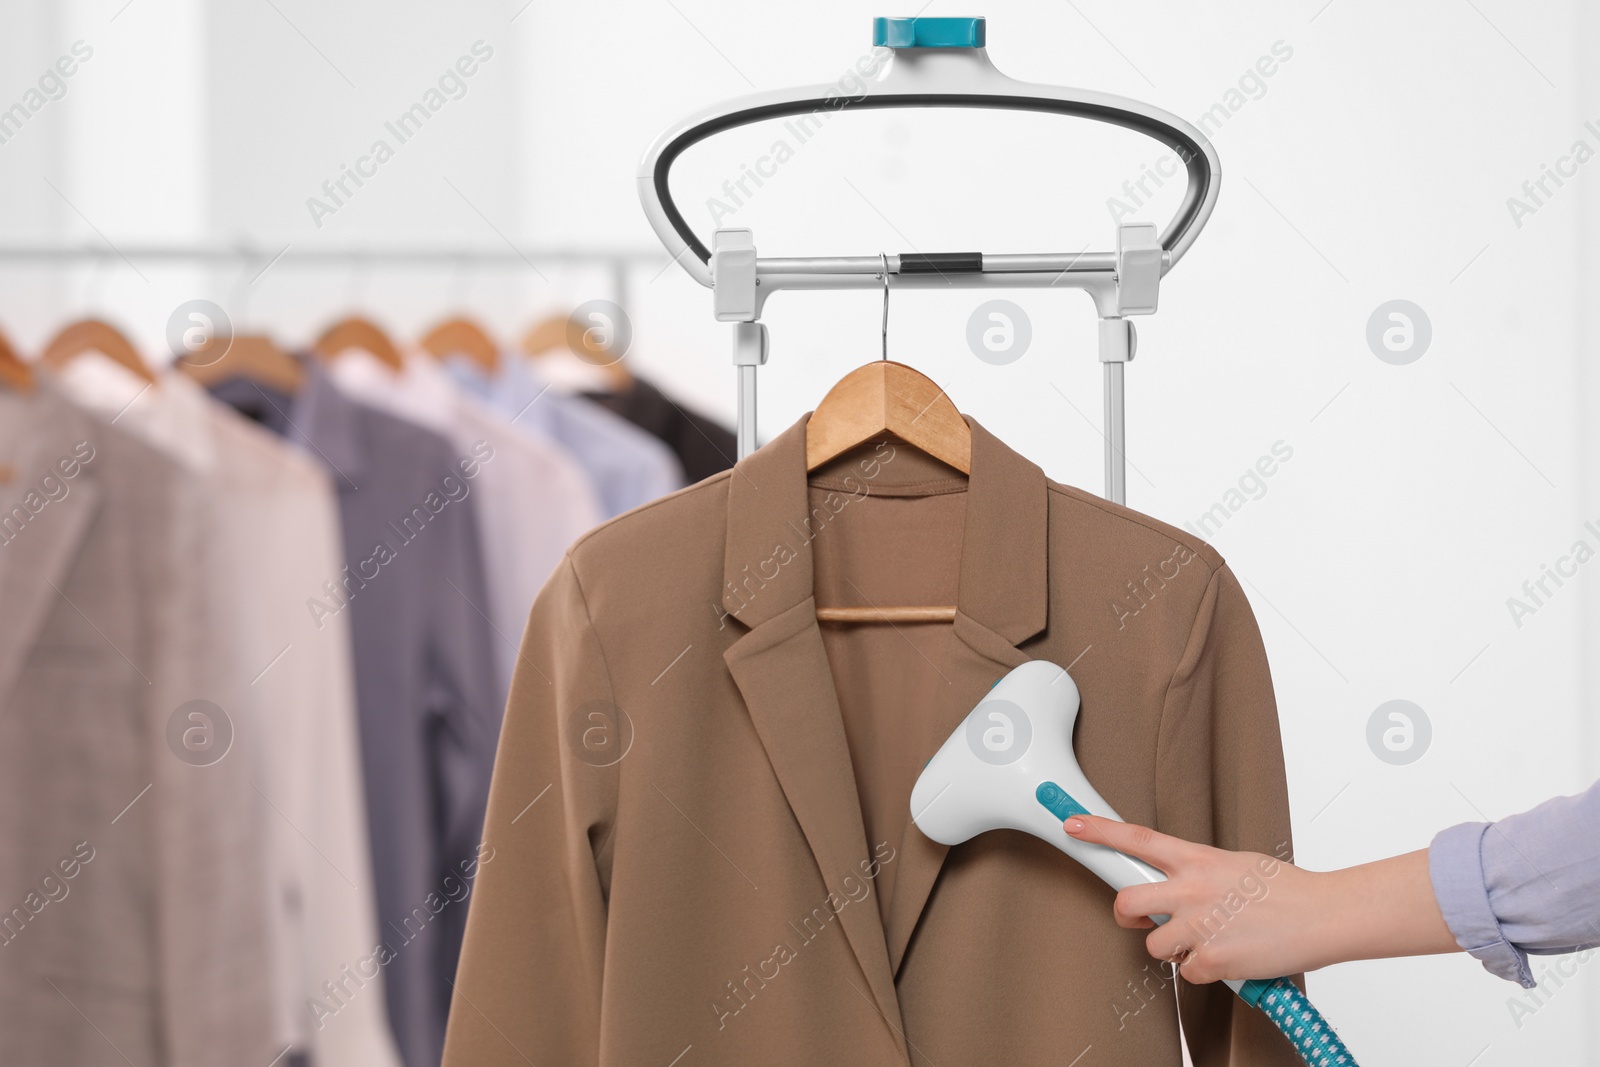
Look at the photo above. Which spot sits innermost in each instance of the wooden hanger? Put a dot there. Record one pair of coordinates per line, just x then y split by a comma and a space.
548, 338
93, 335
887, 397
253, 356
14, 374
464, 337
547, 335
362, 333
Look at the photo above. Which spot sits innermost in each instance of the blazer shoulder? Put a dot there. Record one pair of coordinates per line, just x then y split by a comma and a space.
1130, 527
680, 521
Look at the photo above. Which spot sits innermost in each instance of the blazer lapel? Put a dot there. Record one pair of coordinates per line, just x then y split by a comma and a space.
1002, 600
979, 658
34, 563
783, 674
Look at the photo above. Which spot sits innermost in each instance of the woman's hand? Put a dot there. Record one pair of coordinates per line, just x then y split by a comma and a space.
1248, 915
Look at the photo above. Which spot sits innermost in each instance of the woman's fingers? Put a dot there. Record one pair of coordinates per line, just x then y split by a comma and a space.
1170, 942
1201, 967
1135, 904
1157, 849
1231, 913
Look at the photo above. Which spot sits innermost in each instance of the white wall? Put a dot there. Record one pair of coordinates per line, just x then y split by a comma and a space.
1374, 164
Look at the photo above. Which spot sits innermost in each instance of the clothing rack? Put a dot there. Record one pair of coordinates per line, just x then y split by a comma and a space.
619, 261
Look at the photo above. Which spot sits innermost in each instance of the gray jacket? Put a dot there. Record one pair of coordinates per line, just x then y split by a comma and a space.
415, 593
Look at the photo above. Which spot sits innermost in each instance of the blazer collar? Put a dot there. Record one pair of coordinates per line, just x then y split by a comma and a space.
319, 418
328, 423
1003, 583
174, 417
782, 670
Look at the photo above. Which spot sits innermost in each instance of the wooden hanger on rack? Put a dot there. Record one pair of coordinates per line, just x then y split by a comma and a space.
547, 335
253, 356
94, 335
462, 336
362, 333
548, 339
14, 374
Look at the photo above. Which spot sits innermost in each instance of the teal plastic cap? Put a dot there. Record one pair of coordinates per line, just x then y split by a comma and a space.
927, 33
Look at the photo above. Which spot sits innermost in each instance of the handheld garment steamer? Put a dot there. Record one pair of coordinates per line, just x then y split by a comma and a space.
1010, 765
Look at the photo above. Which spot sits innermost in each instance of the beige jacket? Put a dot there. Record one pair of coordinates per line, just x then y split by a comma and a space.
698, 848
130, 925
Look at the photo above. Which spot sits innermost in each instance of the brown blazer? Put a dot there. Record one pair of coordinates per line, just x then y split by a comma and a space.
698, 849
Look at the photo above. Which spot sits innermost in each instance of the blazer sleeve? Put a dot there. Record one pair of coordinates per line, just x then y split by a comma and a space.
1221, 782
462, 681
528, 989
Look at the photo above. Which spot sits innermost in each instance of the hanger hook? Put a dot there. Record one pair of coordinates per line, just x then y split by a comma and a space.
462, 282
94, 287
884, 257
355, 284
240, 297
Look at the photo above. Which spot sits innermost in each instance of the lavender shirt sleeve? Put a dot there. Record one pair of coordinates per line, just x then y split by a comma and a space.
1529, 883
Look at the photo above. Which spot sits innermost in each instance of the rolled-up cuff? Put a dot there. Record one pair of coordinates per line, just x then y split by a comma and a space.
1455, 865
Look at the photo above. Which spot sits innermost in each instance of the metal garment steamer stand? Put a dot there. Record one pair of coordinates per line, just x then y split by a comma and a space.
937, 63
941, 62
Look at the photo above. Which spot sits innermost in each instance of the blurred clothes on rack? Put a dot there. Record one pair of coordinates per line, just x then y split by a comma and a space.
271, 524
416, 592
135, 925
627, 466
703, 445
533, 498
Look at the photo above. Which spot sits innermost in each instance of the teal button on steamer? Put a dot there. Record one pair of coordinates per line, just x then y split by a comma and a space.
1059, 802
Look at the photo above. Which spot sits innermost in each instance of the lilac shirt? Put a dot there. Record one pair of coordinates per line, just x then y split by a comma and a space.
1528, 883
628, 466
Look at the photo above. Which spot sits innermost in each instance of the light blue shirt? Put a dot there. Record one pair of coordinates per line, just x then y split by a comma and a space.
627, 466
1529, 883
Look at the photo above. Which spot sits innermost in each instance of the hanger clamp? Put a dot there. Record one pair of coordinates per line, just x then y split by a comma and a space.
1139, 266
733, 274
